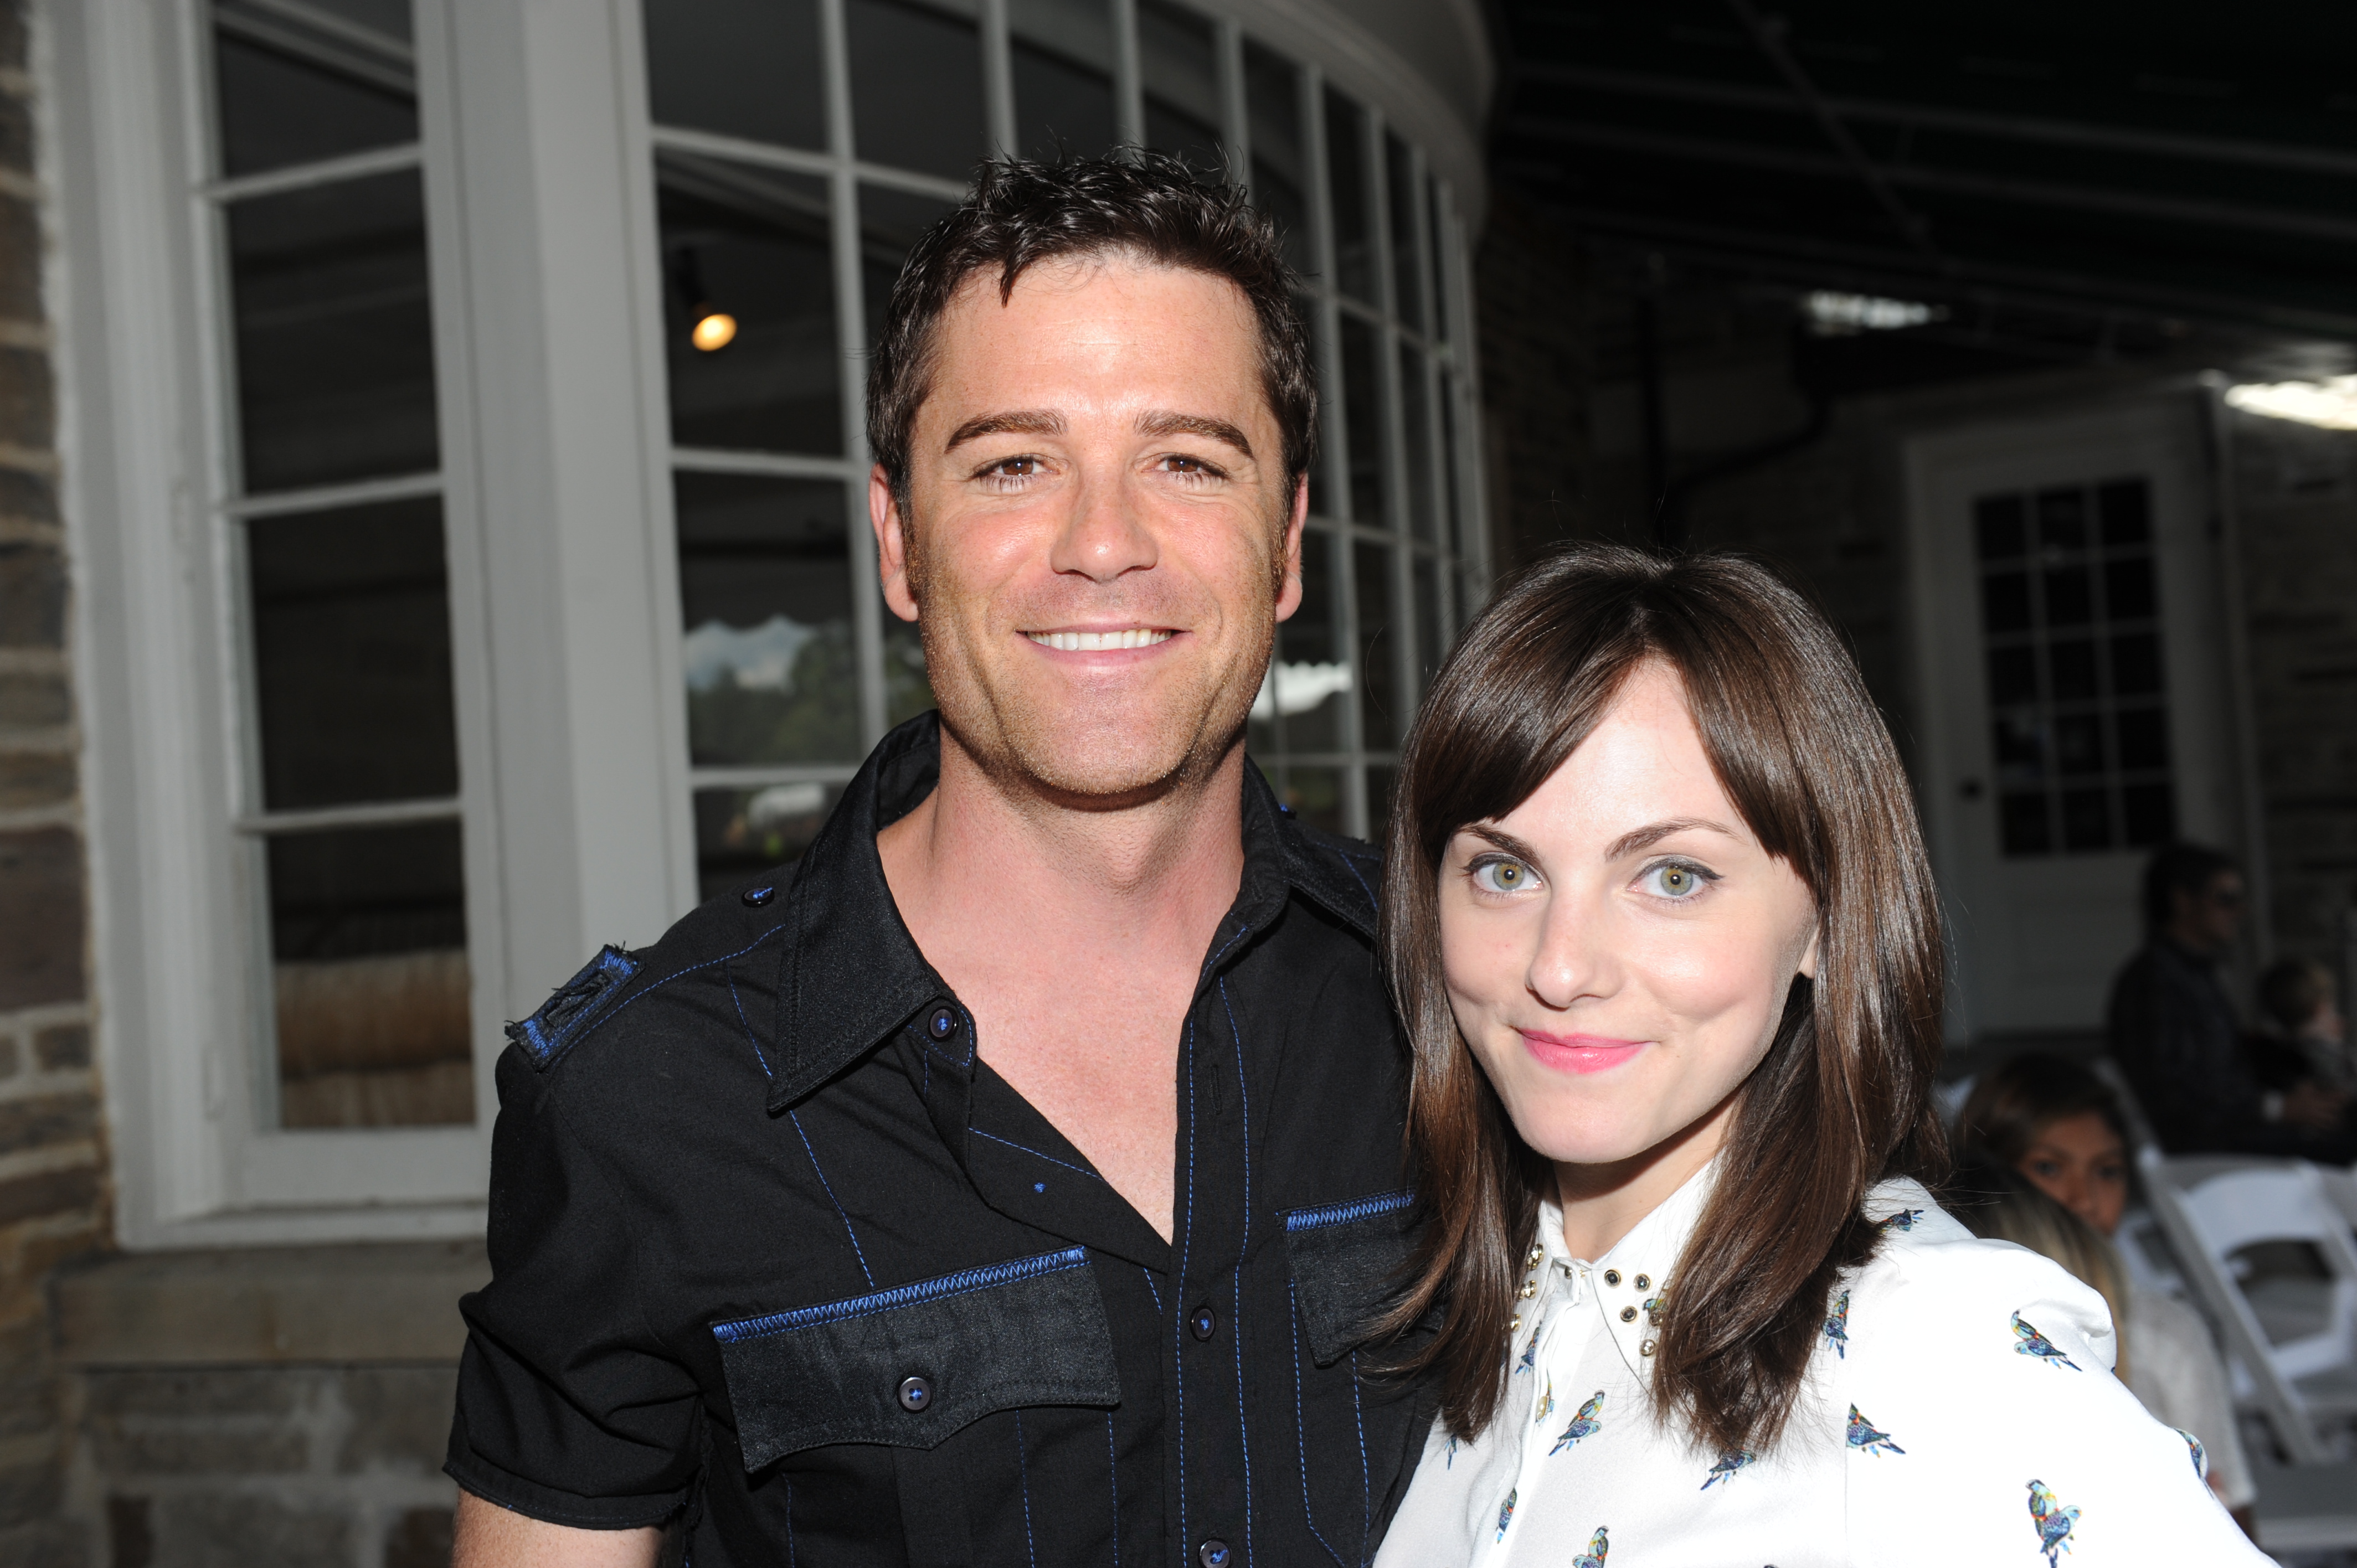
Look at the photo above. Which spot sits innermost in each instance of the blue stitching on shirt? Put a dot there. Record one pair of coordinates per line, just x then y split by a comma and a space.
1023, 1474
963, 1283
1366, 1484
731, 975
546, 1047
789, 1522
1113, 1473
1036, 1154
1151, 1288
1244, 1253
1344, 1213
1301, 1430
1349, 866
654, 986
796, 1117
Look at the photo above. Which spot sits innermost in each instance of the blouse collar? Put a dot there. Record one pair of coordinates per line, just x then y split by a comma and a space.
1631, 1282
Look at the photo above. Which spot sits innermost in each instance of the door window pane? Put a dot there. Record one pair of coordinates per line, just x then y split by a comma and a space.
1063, 76
765, 589
750, 244
1314, 793
1179, 69
1310, 678
1380, 711
368, 937
1280, 163
298, 84
916, 87
351, 653
334, 332
1439, 294
891, 224
1429, 652
1407, 256
741, 833
1363, 419
741, 67
1416, 425
1348, 197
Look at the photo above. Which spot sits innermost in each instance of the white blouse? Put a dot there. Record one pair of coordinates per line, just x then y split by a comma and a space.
2174, 1369
1959, 1410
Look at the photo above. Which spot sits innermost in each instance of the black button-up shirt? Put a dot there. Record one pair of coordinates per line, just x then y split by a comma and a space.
772, 1244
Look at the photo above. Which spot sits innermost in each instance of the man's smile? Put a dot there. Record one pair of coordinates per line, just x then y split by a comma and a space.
1100, 641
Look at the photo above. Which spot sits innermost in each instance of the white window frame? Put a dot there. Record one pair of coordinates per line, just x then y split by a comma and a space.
556, 479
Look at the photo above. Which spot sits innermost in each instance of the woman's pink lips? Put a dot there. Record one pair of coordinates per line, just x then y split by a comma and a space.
1579, 1053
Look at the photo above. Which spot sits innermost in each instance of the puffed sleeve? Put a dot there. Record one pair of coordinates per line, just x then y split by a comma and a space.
569, 1410
1985, 1426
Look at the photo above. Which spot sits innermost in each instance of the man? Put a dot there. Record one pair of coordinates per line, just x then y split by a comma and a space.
2174, 1033
1008, 1182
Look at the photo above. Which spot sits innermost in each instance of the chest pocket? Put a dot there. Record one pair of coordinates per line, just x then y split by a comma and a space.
1348, 1261
909, 1366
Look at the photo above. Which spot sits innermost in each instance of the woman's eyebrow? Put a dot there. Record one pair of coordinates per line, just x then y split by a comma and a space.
1644, 838
1499, 839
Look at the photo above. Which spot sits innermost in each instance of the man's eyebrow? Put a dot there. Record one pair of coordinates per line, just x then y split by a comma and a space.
1652, 833
1165, 423
1017, 422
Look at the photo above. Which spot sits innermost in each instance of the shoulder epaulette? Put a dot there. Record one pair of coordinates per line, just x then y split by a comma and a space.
576, 1004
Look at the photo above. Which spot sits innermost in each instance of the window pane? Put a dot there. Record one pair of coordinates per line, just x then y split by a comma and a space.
891, 224
1180, 68
908, 690
1429, 651
743, 68
1407, 257
1315, 794
1063, 76
1451, 503
368, 937
1378, 711
351, 654
1362, 420
1416, 424
1346, 168
750, 243
1280, 165
916, 87
1439, 292
1311, 676
335, 337
765, 590
740, 833
1381, 782
295, 86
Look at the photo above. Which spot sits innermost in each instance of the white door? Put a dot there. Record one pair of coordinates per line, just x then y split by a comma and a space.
2070, 674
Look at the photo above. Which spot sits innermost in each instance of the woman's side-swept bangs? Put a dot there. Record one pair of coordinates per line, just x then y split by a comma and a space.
1843, 1096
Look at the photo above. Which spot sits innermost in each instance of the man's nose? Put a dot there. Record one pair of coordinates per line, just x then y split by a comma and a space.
1105, 534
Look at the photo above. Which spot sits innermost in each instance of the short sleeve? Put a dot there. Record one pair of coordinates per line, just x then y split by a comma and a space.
1985, 1426
569, 1408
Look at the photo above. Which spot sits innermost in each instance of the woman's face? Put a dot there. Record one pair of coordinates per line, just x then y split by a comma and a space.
1618, 948
2081, 1164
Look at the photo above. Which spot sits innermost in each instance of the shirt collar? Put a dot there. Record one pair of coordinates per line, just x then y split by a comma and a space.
851, 973
1634, 1272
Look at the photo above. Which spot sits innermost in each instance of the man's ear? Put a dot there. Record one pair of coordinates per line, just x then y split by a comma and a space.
891, 544
1288, 582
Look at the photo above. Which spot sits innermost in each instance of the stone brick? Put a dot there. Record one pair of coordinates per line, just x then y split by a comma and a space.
28, 400
401, 1417
8, 1056
130, 1532
28, 1384
20, 266
33, 702
24, 495
41, 1119
198, 1392
198, 1449
32, 595
12, 53
40, 918
62, 1048
29, 779
47, 1544
16, 135
230, 1530
29, 1491
47, 1192
419, 1539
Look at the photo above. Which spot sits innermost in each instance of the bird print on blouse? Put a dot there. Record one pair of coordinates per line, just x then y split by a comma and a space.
1902, 1221
1506, 1512
1837, 1326
1585, 1421
2036, 1345
1865, 1437
2053, 1522
1530, 1354
1450, 1462
1728, 1464
1546, 1403
1598, 1545
2200, 1455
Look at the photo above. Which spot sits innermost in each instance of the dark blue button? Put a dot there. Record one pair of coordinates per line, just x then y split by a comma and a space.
1202, 1322
916, 1394
1215, 1553
757, 896
943, 1023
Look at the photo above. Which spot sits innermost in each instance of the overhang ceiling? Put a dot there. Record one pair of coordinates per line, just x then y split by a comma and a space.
2146, 162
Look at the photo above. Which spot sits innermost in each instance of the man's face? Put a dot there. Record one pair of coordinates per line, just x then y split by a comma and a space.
1098, 542
2208, 922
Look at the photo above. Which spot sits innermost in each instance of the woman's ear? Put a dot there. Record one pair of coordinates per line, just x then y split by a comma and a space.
1808, 965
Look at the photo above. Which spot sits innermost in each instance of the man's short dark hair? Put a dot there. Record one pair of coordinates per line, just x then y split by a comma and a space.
1138, 204
2187, 869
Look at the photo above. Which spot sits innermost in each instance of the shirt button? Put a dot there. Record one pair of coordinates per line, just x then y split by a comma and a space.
916, 1394
942, 1024
757, 896
1215, 1553
1203, 1323
1612, 1276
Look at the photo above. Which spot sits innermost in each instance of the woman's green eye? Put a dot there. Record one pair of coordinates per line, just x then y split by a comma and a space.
1502, 876
1675, 881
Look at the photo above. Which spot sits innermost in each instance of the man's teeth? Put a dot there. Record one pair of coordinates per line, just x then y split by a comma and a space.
1097, 642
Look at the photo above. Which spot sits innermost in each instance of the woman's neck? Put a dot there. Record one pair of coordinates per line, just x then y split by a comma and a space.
1602, 1203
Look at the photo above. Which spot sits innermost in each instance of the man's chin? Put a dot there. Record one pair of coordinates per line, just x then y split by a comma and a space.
1104, 762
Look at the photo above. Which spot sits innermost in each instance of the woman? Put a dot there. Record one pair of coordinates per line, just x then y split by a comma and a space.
2057, 1125
1659, 923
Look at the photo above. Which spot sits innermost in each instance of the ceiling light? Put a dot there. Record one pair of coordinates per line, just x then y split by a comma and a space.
1834, 312
2332, 404
713, 329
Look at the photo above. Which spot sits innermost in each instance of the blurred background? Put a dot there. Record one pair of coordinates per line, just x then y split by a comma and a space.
433, 543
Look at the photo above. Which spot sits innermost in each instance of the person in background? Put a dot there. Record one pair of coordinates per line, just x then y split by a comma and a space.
2175, 1034
2300, 1006
2055, 1125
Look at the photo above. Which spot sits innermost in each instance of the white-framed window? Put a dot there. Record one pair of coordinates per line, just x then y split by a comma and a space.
453, 602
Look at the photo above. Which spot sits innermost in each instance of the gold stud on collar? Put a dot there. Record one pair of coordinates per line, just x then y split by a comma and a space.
1612, 1276
1647, 1348
1642, 1282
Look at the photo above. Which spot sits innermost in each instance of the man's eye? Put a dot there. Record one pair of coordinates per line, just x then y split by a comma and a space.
1502, 873
1674, 880
1013, 468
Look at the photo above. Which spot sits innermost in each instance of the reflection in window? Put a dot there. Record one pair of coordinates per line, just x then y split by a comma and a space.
1280, 161
297, 84
1347, 197
1407, 256
741, 67
1178, 61
1062, 53
890, 223
1379, 709
1363, 419
916, 87
751, 242
765, 590
741, 833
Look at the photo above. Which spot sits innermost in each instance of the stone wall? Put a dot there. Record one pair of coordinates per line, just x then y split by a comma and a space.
53, 1194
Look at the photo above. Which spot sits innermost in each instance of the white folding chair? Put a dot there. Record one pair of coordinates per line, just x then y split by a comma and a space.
2297, 1338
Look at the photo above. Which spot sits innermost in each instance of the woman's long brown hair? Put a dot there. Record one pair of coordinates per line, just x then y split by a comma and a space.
1842, 1099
